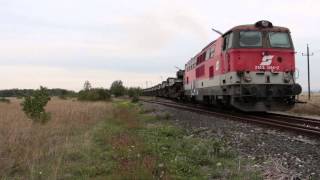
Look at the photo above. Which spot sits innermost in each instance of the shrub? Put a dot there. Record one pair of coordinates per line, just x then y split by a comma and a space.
97, 94
33, 106
135, 99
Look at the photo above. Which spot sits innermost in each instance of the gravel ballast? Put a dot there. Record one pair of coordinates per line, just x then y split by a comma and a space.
277, 153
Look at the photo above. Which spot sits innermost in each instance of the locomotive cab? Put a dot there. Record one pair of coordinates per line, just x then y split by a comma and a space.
259, 67
250, 67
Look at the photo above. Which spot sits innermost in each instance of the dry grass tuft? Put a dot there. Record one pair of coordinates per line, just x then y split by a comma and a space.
311, 107
24, 144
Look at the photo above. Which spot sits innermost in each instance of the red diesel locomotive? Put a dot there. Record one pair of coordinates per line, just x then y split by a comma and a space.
250, 67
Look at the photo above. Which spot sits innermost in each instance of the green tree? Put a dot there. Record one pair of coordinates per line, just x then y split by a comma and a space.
117, 88
33, 106
86, 86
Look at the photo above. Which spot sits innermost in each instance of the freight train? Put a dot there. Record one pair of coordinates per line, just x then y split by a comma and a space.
250, 68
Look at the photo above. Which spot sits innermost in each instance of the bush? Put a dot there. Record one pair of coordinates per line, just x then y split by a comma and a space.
33, 106
97, 94
135, 99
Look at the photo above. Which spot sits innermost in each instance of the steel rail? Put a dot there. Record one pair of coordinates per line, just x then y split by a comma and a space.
315, 122
246, 118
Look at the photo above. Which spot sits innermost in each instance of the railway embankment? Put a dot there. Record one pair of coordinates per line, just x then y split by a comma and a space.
276, 153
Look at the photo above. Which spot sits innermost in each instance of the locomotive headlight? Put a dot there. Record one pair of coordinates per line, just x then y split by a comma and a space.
286, 77
265, 23
247, 78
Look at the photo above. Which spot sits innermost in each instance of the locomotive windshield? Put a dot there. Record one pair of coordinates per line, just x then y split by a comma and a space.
279, 39
250, 39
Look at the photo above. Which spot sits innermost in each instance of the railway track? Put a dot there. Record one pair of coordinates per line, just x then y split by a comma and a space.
301, 125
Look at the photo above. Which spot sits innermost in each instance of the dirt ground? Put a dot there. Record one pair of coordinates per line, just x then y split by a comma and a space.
277, 153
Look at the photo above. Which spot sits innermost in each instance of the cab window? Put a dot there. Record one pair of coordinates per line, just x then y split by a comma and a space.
250, 39
279, 39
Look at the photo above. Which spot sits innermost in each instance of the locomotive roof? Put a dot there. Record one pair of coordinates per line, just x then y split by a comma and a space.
254, 27
258, 26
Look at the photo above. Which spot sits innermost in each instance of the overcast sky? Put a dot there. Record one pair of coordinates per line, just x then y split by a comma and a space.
62, 43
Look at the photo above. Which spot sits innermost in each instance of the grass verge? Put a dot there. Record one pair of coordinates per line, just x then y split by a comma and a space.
132, 145
126, 143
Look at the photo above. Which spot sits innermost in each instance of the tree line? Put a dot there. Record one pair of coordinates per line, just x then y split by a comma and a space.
117, 89
88, 93
27, 92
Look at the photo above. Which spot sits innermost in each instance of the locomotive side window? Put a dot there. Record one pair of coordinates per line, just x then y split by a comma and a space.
208, 55
230, 39
279, 39
250, 39
211, 54
227, 41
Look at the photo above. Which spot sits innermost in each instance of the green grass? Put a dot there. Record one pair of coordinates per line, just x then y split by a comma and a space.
134, 145
186, 157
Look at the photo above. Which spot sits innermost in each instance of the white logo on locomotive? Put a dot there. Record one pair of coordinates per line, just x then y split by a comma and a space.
266, 64
266, 60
